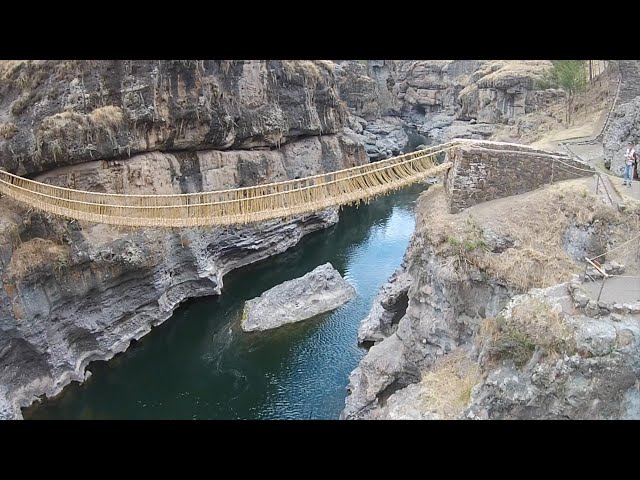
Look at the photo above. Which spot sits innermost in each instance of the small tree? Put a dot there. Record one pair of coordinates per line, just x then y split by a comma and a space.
570, 76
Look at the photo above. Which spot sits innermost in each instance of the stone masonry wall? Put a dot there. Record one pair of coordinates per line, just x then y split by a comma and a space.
484, 171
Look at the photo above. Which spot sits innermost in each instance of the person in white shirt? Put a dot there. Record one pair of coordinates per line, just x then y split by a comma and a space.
629, 158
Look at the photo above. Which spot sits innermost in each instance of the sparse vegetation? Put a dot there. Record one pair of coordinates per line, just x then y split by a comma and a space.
38, 254
10, 233
497, 72
446, 388
55, 147
73, 68
7, 130
532, 324
9, 69
22, 81
62, 125
328, 65
534, 228
306, 68
59, 131
109, 117
25, 76
22, 102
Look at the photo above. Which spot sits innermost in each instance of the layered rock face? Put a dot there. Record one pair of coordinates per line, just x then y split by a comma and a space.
85, 298
66, 112
501, 91
431, 86
74, 292
438, 99
594, 377
582, 367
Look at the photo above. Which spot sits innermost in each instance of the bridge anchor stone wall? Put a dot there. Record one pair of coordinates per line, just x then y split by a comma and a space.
484, 170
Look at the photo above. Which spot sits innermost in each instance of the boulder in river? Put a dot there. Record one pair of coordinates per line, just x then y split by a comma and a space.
319, 291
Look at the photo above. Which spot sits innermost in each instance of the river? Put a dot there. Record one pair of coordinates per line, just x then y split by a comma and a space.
200, 365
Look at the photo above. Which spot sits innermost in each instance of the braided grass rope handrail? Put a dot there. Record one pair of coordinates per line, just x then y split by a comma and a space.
233, 206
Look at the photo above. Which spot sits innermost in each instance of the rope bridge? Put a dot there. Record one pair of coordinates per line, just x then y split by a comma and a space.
233, 206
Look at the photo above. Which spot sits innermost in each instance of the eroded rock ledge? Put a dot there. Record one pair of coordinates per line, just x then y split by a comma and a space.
388, 308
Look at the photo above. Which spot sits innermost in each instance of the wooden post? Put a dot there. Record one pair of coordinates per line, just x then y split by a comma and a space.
604, 274
601, 287
606, 190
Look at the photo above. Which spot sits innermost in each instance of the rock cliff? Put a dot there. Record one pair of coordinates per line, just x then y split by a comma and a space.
437, 100
58, 113
74, 292
476, 341
623, 123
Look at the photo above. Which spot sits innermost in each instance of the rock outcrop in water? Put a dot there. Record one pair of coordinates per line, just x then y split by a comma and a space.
319, 291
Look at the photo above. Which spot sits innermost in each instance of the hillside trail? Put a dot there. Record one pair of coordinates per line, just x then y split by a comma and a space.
584, 142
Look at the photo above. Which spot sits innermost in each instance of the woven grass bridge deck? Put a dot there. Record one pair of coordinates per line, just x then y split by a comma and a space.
233, 206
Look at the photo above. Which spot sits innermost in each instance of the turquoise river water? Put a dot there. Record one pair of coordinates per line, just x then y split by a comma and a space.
200, 365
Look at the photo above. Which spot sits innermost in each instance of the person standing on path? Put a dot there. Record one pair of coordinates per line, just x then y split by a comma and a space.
628, 164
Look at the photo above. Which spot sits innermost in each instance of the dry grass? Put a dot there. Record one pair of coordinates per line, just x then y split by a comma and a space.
536, 223
110, 117
72, 125
306, 68
548, 123
36, 255
328, 65
9, 232
23, 72
72, 68
7, 130
58, 125
531, 324
446, 388
10, 68
20, 103
60, 129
